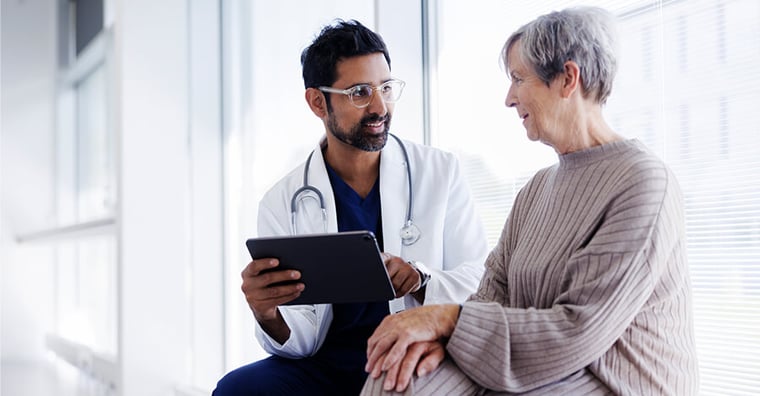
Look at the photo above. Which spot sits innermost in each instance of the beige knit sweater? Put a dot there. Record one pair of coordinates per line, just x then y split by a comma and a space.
587, 291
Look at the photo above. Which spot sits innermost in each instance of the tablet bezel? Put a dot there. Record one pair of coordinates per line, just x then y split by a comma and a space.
342, 267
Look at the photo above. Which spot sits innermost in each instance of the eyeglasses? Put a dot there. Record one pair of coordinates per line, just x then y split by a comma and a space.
361, 95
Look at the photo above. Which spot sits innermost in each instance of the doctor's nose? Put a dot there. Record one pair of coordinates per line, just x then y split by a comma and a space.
377, 104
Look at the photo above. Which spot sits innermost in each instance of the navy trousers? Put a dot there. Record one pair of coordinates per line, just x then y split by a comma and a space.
337, 369
276, 375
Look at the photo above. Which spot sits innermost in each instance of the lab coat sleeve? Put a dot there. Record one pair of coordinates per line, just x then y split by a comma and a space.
303, 320
464, 245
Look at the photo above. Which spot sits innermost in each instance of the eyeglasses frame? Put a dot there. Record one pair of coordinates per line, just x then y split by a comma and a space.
349, 91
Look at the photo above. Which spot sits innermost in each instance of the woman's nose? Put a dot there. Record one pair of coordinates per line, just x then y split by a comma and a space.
511, 99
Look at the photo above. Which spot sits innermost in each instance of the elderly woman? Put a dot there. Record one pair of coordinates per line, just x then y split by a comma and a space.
587, 291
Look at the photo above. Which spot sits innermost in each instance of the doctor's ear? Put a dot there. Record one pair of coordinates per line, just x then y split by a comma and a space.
316, 100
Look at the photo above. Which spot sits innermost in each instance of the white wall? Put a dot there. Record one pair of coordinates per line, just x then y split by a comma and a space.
168, 120
207, 237
151, 50
26, 160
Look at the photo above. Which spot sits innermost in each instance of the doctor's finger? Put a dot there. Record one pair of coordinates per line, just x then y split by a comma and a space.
265, 299
277, 292
395, 264
285, 298
255, 285
403, 280
261, 307
403, 285
269, 279
255, 267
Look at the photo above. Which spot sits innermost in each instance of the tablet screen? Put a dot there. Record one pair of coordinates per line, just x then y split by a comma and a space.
335, 267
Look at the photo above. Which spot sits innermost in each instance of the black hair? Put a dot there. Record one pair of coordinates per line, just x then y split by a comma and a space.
344, 39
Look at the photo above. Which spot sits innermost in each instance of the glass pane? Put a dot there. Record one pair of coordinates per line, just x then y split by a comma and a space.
94, 156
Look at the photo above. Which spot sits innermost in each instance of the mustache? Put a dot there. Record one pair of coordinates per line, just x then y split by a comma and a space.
375, 118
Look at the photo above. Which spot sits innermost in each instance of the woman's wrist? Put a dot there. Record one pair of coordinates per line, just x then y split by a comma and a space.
449, 315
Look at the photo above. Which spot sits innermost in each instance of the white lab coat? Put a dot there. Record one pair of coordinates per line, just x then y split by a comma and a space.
452, 245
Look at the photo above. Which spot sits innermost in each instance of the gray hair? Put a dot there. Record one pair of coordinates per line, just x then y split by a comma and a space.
585, 35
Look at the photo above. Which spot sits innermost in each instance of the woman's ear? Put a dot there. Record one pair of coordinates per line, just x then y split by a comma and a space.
571, 79
316, 100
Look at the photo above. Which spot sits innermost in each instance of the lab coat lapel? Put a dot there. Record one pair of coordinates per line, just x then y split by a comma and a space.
393, 195
319, 179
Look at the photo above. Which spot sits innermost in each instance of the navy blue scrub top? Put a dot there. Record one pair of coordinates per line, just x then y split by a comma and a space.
345, 346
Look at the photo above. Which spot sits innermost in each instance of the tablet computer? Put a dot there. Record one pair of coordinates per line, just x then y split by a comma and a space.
343, 267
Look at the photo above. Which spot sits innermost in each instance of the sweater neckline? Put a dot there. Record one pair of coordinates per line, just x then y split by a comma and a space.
594, 154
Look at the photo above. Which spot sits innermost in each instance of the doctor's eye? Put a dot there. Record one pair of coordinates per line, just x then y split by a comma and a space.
361, 91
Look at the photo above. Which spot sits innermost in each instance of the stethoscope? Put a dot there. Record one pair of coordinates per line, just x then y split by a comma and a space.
410, 233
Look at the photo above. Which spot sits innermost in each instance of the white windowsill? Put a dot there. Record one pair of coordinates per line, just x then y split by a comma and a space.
72, 231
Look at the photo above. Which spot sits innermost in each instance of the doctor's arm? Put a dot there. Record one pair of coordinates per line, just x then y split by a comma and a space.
264, 292
299, 324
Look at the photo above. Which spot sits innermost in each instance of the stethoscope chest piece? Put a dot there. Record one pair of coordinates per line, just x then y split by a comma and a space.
409, 233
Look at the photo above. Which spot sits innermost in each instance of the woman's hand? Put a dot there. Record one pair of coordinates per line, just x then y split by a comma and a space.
410, 340
421, 358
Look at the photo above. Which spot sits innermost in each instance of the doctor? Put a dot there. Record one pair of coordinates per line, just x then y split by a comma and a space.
359, 177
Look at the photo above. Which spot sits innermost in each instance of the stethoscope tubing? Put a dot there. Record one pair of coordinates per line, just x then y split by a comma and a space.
408, 180
409, 233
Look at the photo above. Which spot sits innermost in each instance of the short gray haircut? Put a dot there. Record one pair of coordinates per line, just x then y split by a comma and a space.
585, 35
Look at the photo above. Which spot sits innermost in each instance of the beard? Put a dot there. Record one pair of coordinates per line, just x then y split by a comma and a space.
356, 136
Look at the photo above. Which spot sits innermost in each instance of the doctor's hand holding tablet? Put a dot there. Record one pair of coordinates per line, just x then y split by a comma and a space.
324, 268
406, 277
266, 286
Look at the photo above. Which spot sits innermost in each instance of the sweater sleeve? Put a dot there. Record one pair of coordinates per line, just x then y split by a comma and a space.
606, 283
